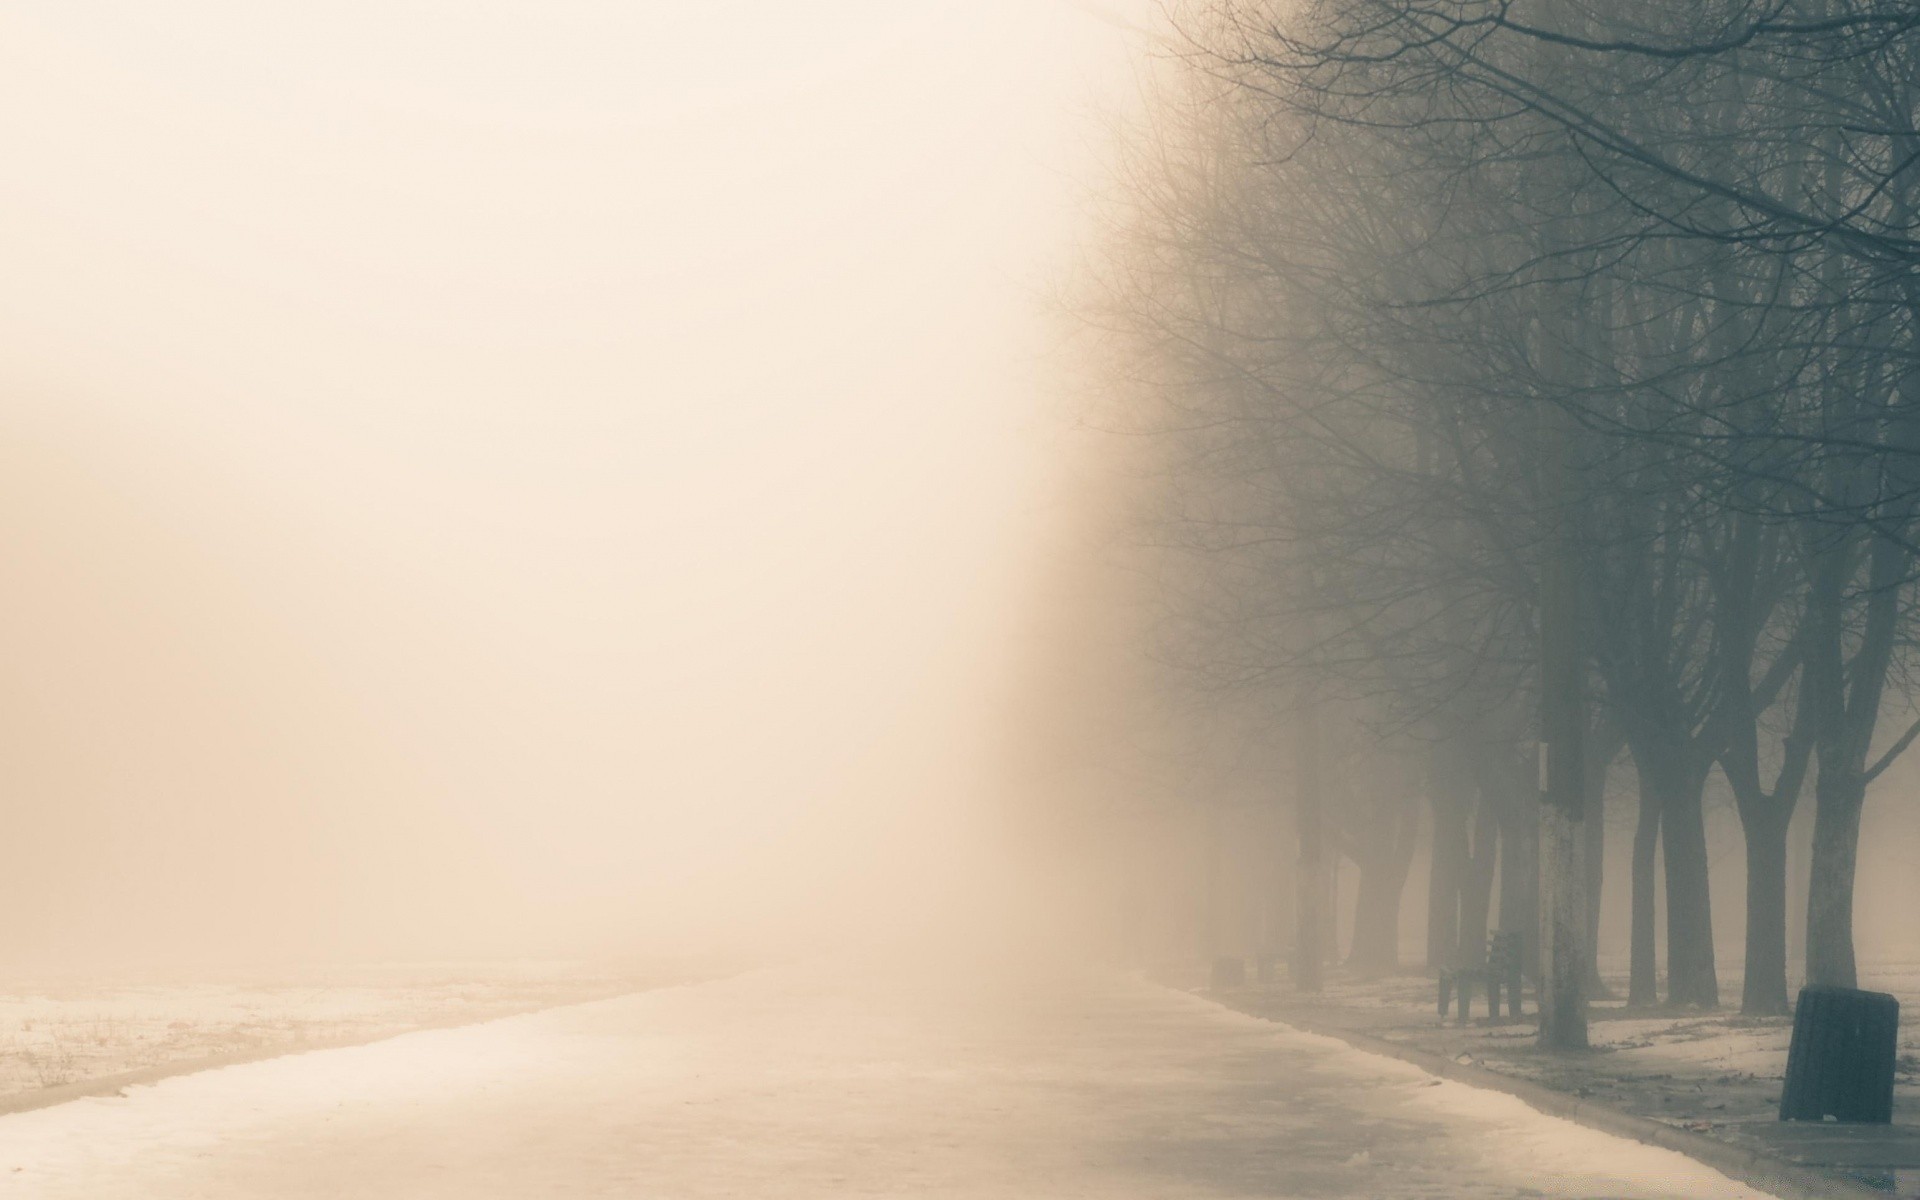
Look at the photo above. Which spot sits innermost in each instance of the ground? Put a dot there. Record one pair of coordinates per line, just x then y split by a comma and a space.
1715, 1073
834, 1080
60, 1028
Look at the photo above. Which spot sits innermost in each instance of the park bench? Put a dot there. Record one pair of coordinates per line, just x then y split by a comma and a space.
1502, 968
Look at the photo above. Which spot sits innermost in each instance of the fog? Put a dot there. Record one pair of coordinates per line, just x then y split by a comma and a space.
522, 478
981, 598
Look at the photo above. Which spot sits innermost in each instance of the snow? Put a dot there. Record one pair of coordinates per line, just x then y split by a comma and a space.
1726, 1042
834, 1080
1681, 1065
1720, 1042
1577, 1157
60, 1028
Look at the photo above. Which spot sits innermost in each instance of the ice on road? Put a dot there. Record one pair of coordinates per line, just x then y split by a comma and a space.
820, 1081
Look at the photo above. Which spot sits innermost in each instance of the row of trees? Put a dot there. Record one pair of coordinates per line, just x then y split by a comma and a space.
1529, 375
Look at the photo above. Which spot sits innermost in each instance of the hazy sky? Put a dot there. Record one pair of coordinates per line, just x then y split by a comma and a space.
490, 475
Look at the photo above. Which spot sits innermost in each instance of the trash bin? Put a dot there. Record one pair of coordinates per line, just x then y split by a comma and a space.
1840, 1063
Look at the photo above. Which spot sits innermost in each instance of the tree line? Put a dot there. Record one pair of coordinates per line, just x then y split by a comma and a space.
1531, 385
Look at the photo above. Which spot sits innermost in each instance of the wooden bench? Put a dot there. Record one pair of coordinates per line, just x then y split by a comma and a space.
1502, 968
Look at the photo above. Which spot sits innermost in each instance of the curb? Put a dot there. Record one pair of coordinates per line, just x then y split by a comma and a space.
1776, 1176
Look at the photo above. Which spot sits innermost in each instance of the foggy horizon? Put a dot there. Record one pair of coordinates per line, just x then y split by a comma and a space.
512, 485
970, 599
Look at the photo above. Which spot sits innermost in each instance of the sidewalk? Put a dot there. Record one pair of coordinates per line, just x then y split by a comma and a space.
1713, 1078
833, 1081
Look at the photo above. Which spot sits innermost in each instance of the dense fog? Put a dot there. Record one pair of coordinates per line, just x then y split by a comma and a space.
599, 479
963, 598
528, 478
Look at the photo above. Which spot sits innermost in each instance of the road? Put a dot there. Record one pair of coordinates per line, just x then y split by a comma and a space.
833, 1081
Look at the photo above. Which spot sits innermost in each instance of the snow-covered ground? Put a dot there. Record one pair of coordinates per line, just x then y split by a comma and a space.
833, 1081
70, 1027
1724, 1041
1701, 1069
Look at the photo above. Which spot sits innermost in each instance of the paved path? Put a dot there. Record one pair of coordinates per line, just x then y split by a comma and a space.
816, 1082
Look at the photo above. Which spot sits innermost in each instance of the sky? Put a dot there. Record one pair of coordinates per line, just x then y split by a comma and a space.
517, 477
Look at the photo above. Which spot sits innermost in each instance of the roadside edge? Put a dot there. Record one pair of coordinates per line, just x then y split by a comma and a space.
1776, 1176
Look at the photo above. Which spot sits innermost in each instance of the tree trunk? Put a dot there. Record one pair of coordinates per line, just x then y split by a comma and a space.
1309, 939
1409, 842
1376, 916
1520, 879
1330, 913
1563, 928
1447, 874
1450, 797
1691, 975
1376, 921
1836, 846
1560, 886
1850, 691
1643, 988
1799, 883
1598, 765
1594, 853
1764, 990
1669, 780
1210, 902
1476, 894
1279, 887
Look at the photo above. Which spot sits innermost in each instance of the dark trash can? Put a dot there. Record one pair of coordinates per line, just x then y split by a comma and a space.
1840, 1063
